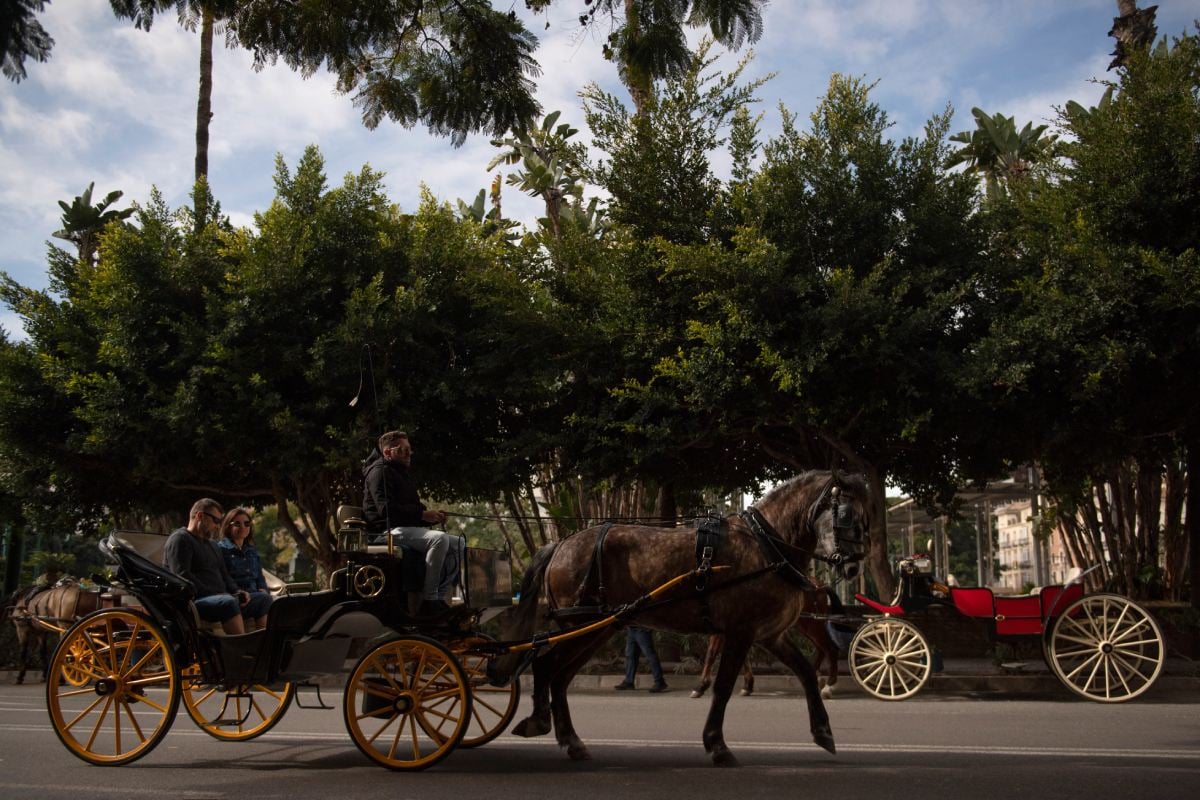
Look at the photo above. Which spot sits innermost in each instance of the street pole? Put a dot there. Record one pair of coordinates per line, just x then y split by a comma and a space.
979, 544
1040, 556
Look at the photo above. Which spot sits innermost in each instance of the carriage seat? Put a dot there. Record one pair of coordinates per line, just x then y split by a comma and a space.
144, 573
353, 535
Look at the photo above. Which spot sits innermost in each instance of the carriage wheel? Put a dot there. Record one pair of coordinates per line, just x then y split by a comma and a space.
234, 714
492, 707
129, 688
890, 659
77, 663
1106, 648
407, 703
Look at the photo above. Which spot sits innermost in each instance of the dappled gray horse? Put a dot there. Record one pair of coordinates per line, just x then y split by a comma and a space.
753, 593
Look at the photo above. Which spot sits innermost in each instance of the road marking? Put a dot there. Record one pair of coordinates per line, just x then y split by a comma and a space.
315, 737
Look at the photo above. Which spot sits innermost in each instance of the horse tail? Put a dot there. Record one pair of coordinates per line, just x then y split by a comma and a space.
531, 592
11, 604
524, 617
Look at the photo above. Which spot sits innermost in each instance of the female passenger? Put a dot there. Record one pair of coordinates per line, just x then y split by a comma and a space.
241, 559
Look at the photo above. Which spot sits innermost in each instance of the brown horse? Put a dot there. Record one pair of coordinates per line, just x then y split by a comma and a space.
750, 595
50, 611
816, 601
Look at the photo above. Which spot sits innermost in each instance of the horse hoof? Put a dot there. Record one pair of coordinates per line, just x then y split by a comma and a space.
824, 737
827, 693
578, 752
531, 726
724, 758
697, 693
747, 692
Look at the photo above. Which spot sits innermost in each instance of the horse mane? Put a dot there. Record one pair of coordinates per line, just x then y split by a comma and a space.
796, 495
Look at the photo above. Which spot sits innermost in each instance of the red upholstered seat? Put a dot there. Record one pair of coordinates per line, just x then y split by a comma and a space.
973, 602
895, 611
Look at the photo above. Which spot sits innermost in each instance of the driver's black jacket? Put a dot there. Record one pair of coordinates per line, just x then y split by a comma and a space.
389, 495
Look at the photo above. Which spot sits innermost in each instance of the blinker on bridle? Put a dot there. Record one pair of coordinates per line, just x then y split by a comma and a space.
844, 529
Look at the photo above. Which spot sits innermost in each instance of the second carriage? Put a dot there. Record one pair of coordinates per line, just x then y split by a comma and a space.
1103, 647
416, 688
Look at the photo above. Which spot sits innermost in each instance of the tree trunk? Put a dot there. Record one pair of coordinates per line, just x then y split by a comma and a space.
877, 550
1192, 520
1174, 543
637, 80
204, 103
667, 509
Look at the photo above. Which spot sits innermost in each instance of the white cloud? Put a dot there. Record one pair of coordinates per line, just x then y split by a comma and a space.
117, 105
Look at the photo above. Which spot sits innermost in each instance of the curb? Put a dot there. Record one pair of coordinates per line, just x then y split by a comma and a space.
1043, 685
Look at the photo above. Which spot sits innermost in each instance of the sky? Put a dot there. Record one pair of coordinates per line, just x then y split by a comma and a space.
117, 106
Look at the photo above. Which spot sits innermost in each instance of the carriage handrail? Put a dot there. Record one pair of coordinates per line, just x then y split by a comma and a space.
1077, 579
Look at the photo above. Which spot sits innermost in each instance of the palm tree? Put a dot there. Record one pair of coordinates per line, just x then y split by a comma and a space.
21, 37
1134, 29
648, 42
1000, 153
548, 168
193, 14
82, 222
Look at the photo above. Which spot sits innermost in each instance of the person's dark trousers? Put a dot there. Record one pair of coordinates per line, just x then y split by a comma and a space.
641, 639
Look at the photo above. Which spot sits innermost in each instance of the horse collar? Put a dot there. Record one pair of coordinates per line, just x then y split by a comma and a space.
769, 541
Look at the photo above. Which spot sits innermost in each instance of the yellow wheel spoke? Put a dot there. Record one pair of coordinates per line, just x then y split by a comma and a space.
128, 650
84, 713
441, 671
133, 721
416, 745
150, 681
140, 665
143, 699
207, 695
436, 733
99, 723
391, 718
451, 691
478, 701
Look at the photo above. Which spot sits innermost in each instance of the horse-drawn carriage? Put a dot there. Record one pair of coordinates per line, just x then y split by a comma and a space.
1103, 646
416, 689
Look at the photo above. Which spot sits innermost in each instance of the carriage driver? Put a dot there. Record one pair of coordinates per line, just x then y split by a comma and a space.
192, 554
391, 503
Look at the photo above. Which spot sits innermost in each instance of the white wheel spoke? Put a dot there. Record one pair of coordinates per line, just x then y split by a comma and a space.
1083, 665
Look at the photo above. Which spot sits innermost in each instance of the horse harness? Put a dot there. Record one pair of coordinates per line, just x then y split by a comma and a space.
711, 530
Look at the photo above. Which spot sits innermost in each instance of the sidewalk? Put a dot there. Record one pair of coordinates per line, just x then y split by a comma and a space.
1179, 681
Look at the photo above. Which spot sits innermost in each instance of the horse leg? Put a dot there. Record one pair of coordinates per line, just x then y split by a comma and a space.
747, 678
44, 650
572, 662
732, 655
715, 643
818, 717
826, 652
23, 657
538, 721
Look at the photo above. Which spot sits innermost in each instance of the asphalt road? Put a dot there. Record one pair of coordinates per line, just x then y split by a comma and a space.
647, 746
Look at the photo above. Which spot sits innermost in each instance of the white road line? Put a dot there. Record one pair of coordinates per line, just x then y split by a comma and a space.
910, 749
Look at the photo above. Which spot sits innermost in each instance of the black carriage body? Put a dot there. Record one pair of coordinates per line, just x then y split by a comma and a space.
317, 633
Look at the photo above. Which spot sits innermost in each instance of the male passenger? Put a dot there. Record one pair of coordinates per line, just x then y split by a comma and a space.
192, 554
